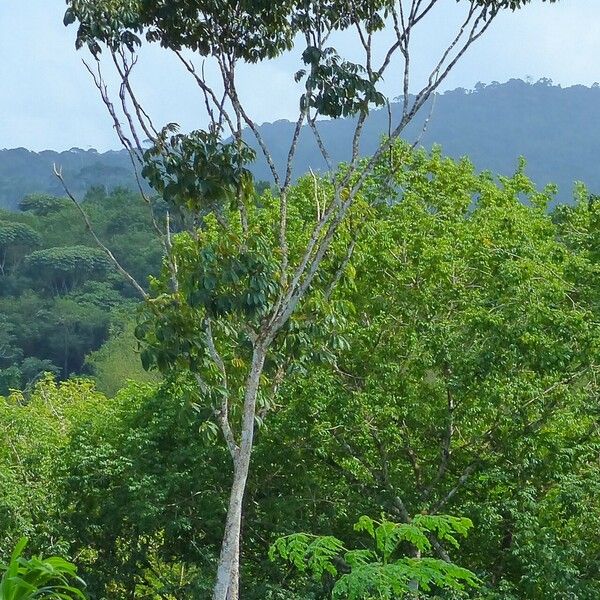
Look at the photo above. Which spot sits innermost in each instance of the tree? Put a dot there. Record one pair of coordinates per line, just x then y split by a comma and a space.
43, 205
75, 326
37, 428
16, 239
117, 360
64, 268
203, 175
153, 523
468, 382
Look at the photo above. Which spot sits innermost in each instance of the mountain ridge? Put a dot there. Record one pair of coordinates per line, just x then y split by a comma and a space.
556, 129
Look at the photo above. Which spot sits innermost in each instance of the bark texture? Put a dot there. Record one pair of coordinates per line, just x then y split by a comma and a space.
227, 584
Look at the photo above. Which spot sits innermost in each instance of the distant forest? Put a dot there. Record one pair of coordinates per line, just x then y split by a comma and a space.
556, 129
59, 298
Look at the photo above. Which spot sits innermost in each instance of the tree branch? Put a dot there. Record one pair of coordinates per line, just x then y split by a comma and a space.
109, 254
223, 413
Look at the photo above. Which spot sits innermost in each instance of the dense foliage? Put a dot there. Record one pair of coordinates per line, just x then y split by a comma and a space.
453, 370
58, 295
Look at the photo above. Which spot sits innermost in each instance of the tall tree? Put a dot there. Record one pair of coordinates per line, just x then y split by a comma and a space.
468, 382
240, 291
16, 239
62, 269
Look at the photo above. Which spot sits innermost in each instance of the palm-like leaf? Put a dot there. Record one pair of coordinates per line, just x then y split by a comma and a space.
30, 579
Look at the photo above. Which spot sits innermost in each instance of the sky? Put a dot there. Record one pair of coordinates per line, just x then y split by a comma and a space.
47, 100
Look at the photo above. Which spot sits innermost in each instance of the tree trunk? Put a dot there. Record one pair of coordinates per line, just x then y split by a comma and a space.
227, 584
226, 587
233, 592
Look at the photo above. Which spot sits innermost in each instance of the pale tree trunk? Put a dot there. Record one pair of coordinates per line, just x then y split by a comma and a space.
227, 584
234, 587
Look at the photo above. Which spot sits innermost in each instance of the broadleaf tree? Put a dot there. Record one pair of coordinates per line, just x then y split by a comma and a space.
15, 240
226, 322
468, 382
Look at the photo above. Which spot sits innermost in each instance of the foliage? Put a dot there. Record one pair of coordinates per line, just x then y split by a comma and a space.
117, 361
64, 268
340, 88
42, 205
453, 369
26, 579
383, 571
57, 296
469, 382
15, 240
263, 30
197, 172
143, 495
37, 427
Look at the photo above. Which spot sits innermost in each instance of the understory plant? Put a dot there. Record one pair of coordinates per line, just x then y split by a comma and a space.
394, 565
36, 577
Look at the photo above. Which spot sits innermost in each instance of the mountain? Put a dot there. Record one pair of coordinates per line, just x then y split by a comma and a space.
24, 172
556, 129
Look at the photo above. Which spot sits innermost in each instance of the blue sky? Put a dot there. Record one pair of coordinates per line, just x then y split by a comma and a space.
47, 99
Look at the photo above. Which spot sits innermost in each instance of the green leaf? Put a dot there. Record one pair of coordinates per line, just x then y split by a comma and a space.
69, 17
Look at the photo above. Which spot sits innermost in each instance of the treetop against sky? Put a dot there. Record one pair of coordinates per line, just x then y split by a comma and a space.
558, 43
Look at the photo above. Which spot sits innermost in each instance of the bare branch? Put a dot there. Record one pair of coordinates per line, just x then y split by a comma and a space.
209, 95
360, 123
466, 474
322, 149
423, 131
170, 255
123, 96
316, 192
231, 92
223, 413
283, 197
135, 153
111, 256
344, 264
102, 88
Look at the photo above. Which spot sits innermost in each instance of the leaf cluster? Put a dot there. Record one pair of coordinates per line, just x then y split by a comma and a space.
198, 172
18, 234
382, 572
27, 579
335, 87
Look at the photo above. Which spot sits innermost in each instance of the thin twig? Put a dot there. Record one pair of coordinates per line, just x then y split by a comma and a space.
111, 256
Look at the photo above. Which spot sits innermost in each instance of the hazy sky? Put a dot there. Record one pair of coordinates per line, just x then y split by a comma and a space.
47, 99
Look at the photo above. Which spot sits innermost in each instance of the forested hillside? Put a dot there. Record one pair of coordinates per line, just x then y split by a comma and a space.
374, 374
556, 129
24, 172
59, 299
